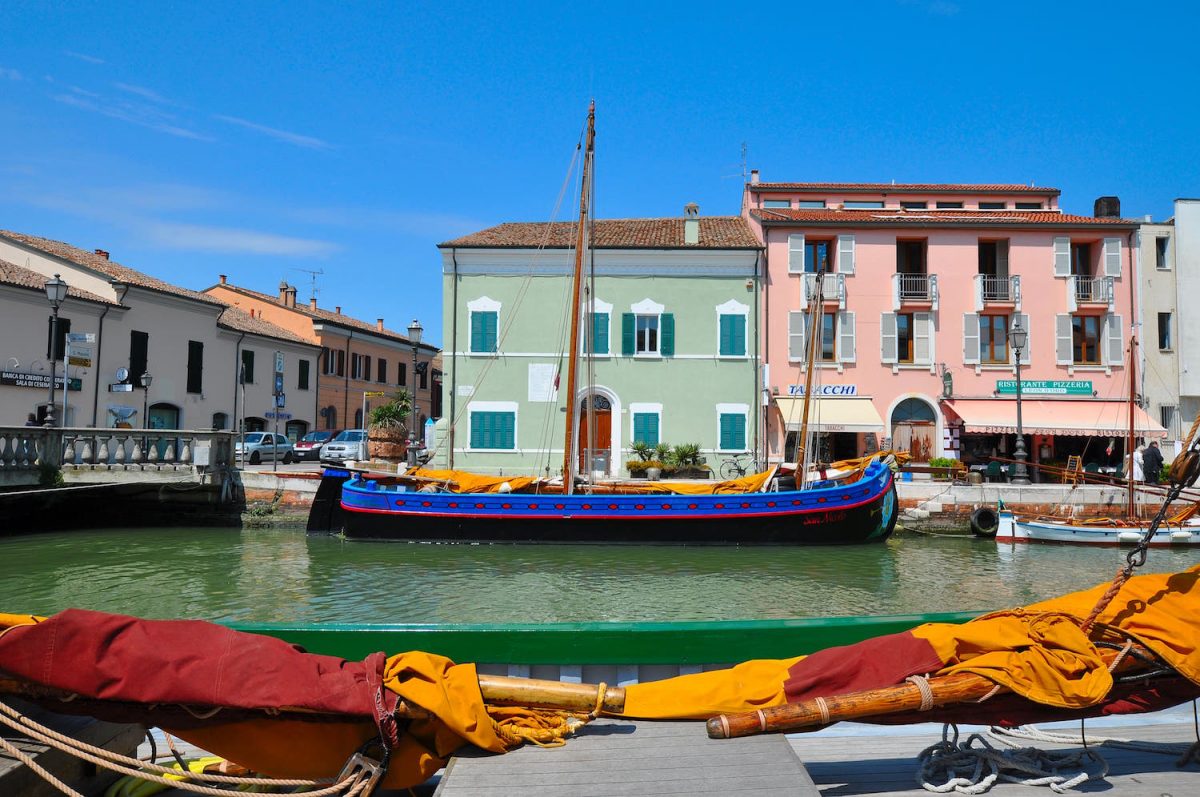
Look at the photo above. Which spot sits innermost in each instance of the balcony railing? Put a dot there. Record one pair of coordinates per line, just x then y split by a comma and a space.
998, 289
833, 288
915, 288
1096, 290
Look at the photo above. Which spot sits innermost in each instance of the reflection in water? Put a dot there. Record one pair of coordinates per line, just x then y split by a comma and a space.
286, 576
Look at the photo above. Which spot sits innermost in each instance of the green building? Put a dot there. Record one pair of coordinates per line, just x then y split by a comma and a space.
673, 326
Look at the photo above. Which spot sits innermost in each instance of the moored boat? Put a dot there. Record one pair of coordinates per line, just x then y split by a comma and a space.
1101, 531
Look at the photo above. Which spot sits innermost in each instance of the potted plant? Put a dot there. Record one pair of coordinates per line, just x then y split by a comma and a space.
387, 428
943, 467
687, 461
647, 465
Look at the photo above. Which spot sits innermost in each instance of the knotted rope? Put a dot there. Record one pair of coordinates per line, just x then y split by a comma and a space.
545, 728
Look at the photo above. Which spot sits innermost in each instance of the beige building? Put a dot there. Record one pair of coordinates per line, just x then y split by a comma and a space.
1158, 381
126, 323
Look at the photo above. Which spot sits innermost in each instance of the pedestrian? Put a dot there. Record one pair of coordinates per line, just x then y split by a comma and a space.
1139, 468
1152, 462
32, 420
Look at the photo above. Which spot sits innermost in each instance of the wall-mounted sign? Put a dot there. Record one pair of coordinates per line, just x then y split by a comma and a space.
38, 380
280, 401
81, 337
79, 355
282, 416
825, 390
279, 362
120, 387
1044, 387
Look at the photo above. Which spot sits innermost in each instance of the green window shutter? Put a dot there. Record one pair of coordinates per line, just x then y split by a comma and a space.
666, 332
627, 338
508, 423
726, 347
476, 333
600, 333
477, 422
490, 323
645, 428
733, 335
733, 432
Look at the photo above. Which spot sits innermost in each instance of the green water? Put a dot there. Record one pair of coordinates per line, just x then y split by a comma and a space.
287, 576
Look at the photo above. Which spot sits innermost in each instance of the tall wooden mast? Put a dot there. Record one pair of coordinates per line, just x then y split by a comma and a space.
816, 312
1131, 508
576, 286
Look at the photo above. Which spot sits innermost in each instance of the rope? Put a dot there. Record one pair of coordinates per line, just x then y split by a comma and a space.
922, 684
517, 725
974, 766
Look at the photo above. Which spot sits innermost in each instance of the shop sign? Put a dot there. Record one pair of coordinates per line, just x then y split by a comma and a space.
283, 416
825, 390
1044, 387
38, 380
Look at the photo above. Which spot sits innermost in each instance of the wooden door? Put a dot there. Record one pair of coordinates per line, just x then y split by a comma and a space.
601, 415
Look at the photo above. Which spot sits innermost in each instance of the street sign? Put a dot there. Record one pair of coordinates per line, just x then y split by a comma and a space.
280, 416
278, 384
81, 337
79, 355
82, 362
120, 387
279, 362
372, 393
280, 401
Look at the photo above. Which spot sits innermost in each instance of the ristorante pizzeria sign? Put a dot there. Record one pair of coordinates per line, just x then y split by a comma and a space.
36, 379
1044, 387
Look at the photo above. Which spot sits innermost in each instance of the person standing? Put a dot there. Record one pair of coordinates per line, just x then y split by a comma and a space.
1139, 464
1152, 462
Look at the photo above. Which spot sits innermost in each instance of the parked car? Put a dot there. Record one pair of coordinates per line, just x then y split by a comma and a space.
348, 444
309, 446
254, 447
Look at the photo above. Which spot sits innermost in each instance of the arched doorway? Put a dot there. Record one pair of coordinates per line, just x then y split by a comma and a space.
598, 419
163, 416
295, 430
914, 429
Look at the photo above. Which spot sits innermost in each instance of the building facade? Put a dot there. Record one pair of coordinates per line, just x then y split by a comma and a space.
358, 359
128, 324
670, 326
1159, 376
920, 287
1187, 278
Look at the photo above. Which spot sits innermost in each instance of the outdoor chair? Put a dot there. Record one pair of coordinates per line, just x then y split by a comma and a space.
995, 471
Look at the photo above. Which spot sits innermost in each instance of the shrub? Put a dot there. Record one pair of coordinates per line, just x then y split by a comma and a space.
392, 413
943, 462
50, 475
685, 455
644, 450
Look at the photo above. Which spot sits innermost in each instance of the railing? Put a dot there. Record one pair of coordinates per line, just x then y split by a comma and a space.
833, 288
1093, 289
998, 289
28, 448
916, 287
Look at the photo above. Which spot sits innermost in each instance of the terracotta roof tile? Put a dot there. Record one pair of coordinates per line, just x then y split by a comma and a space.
908, 188
934, 218
11, 274
98, 263
716, 232
241, 321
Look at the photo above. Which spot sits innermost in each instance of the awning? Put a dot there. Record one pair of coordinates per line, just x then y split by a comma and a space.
1072, 418
831, 414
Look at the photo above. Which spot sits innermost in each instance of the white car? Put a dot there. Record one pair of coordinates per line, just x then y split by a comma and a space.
263, 445
349, 444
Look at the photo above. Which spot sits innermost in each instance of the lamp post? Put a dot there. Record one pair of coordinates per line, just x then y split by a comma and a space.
414, 337
56, 292
144, 380
1019, 337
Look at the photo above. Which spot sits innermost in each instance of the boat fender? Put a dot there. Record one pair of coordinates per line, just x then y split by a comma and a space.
504, 488
984, 522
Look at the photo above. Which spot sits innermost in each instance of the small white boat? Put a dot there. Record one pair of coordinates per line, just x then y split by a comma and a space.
1014, 529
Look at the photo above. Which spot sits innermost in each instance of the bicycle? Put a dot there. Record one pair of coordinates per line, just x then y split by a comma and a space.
733, 468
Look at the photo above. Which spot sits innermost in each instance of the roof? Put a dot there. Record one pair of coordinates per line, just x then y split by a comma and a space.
11, 274
890, 217
716, 232
321, 315
101, 264
908, 188
241, 321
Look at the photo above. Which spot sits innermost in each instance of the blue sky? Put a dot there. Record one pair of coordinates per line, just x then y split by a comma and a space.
264, 140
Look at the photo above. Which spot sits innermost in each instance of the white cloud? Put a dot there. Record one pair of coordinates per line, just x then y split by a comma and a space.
308, 142
229, 240
142, 115
9, 74
91, 59
142, 91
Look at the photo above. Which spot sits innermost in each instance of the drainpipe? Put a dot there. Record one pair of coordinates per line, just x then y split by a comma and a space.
764, 410
346, 385
756, 374
453, 356
1135, 311
99, 351
237, 379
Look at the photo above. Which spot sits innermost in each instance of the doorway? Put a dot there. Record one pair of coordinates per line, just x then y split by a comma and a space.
914, 427
599, 419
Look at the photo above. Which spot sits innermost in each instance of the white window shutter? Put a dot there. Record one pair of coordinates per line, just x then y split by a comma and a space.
922, 338
1062, 257
887, 338
1063, 351
796, 334
971, 338
846, 351
796, 254
1114, 338
1023, 319
1112, 257
845, 254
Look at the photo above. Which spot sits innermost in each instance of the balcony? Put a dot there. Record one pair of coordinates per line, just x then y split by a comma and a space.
995, 290
1089, 291
833, 289
918, 289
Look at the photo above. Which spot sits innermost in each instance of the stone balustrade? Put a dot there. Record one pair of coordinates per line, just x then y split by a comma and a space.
28, 448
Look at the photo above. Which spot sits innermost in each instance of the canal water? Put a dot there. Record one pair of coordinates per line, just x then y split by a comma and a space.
284, 575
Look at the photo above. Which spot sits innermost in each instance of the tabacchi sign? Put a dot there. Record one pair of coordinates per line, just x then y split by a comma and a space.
825, 390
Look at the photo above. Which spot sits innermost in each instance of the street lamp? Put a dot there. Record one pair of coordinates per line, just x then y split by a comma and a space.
1020, 337
56, 292
414, 337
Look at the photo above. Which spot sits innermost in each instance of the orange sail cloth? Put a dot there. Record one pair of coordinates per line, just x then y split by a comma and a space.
1054, 670
461, 481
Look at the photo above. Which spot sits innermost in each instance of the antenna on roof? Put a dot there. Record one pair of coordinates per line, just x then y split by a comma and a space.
312, 277
742, 166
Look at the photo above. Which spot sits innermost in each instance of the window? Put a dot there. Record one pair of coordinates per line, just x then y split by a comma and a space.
776, 203
1164, 331
733, 335
733, 431
381, 371
987, 258
811, 204
247, 367
599, 338
494, 430
905, 338
1029, 206
645, 428
330, 414
356, 366
949, 205
914, 205
828, 338
910, 257
139, 345
483, 330
993, 339
817, 258
1081, 260
195, 367
341, 362
1169, 416
220, 421
327, 360
647, 335
863, 204
992, 205
402, 374
423, 373
366, 372
302, 375
1160, 252
1085, 339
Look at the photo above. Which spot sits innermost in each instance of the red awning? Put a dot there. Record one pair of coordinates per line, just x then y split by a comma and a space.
1052, 417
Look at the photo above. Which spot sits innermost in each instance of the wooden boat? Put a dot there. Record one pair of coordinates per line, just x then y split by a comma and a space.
1101, 531
858, 506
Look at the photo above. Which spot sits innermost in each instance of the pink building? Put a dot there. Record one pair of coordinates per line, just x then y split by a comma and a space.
921, 286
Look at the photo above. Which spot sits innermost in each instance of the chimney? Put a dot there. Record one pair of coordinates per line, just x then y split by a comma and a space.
252, 312
379, 324
221, 277
283, 286
691, 223
337, 309
102, 253
312, 303
754, 177
1108, 207
290, 298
